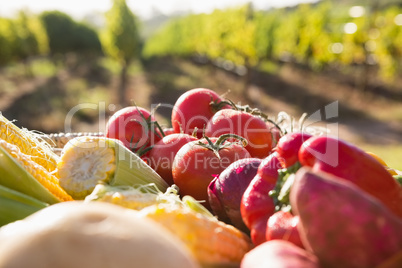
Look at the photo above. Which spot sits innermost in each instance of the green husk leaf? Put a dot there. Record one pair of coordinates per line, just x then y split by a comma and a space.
16, 206
131, 170
16, 177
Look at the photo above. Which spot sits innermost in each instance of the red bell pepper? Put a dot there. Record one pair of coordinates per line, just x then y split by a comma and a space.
351, 163
288, 147
261, 199
256, 205
283, 225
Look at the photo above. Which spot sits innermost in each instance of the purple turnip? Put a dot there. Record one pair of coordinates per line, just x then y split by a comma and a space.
226, 190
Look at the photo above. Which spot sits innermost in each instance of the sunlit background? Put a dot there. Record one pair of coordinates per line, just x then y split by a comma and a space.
144, 9
93, 57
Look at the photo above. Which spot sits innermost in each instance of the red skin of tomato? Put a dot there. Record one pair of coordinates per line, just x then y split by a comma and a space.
283, 225
129, 127
163, 152
168, 131
194, 167
254, 129
193, 110
288, 147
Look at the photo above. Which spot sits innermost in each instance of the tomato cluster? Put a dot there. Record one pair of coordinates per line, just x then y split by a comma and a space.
207, 134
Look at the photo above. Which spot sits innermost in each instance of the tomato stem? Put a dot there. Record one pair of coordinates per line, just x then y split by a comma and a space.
219, 143
217, 105
247, 109
149, 125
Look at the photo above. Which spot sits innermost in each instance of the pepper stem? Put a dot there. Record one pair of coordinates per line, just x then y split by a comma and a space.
280, 194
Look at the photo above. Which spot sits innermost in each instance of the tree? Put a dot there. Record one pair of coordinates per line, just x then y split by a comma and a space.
66, 35
59, 27
121, 40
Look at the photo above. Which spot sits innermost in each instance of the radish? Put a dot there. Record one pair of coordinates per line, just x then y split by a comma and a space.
226, 190
343, 225
279, 253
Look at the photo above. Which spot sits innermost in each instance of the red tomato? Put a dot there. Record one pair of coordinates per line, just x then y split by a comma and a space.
163, 152
193, 109
131, 126
168, 131
253, 128
195, 166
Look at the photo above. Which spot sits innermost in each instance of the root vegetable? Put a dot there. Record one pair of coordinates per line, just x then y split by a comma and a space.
342, 224
226, 190
279, 253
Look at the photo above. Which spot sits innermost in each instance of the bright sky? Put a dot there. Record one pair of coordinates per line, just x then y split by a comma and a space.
79, 8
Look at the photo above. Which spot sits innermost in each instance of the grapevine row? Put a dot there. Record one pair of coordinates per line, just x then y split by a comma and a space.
317, 35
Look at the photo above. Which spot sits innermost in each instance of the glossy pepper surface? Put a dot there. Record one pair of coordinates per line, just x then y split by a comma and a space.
351, 163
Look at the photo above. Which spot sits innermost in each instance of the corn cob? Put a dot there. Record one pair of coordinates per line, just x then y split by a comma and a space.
212, 242
29, 144
16, 206
86, 161
19, 172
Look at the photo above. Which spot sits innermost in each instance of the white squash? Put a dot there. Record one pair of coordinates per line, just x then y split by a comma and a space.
90, 235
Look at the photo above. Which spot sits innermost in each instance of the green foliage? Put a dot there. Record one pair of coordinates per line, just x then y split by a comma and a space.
316, 35
266, 25
31, 36
8, 40
36, 26
121, 39
65, 35
59, 27
235, 36
229, 34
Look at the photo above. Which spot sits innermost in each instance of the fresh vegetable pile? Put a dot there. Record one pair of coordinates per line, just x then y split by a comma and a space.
225, 186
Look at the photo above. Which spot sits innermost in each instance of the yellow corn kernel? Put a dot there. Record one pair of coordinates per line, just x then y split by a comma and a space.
37, 171
83, 165
28, 144
212, 242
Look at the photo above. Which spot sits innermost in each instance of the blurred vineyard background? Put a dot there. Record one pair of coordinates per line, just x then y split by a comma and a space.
297, 59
